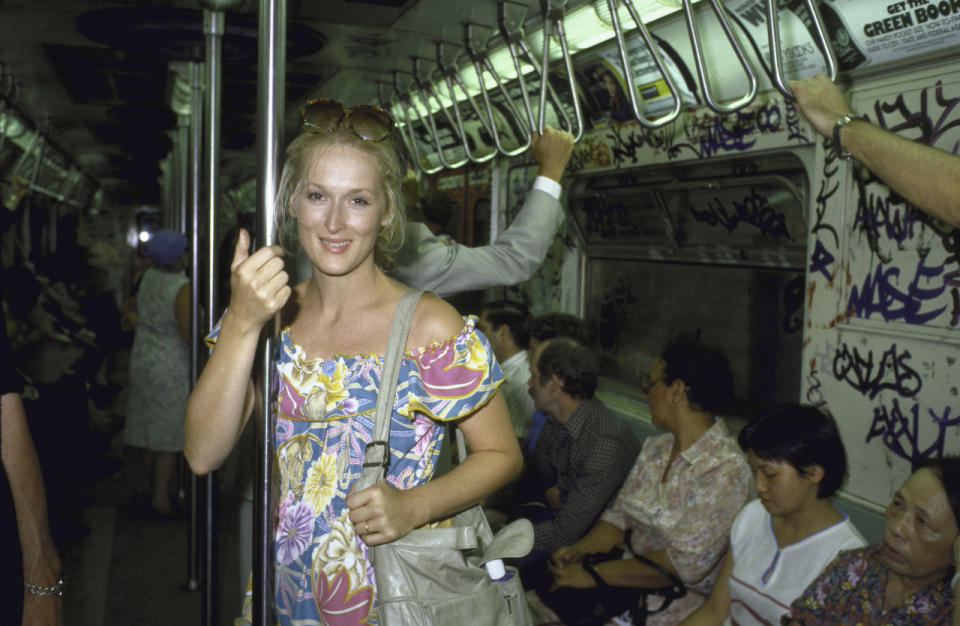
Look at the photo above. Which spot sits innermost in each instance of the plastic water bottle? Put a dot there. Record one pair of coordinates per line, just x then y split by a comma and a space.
497, 571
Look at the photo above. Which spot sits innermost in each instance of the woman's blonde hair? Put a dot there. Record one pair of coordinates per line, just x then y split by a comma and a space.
303, 152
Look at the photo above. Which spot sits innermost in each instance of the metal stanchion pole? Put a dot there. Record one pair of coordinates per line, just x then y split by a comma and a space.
270, 104
196, 130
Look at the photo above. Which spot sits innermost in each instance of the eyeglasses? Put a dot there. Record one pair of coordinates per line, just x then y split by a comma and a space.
324, 115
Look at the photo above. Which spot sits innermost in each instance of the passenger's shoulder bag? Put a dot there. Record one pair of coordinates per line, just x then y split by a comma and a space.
436, 576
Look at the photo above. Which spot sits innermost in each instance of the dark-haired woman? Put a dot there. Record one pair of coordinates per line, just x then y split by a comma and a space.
783, 539
906, 580
676, 505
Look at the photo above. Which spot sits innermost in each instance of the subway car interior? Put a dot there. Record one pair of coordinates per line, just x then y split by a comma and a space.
698, 200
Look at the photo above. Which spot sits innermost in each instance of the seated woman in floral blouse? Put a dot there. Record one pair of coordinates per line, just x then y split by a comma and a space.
907, 579
676, 505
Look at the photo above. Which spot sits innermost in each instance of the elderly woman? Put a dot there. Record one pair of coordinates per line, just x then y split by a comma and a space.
341, 187
676, 505
907, 579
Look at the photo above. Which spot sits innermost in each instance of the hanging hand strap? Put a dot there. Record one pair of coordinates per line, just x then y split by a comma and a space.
377, 453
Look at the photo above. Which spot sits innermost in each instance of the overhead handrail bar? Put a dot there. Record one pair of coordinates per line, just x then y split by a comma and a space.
426, 93
657, 60
452, 77
387, 102
776, 55
481, 62
553, 18
405, 103
514, 39
745, 99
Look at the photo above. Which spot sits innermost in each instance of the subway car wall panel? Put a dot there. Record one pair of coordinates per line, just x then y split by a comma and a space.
791, 203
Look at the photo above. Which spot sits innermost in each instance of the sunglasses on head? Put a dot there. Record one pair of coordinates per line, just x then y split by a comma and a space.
323, 115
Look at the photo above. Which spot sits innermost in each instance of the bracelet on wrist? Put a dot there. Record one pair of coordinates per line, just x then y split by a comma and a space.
42, 590
837, 144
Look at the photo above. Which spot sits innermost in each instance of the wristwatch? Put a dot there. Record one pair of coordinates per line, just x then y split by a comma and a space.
837, 146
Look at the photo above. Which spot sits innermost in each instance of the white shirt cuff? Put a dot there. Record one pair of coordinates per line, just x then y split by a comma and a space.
548, 185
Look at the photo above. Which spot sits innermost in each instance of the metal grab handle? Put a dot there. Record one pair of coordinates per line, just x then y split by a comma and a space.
390, 103
776, 56
451, 77
516, 45
481, 64
721, 14
553, 17
411, 141
426, 93
652, 49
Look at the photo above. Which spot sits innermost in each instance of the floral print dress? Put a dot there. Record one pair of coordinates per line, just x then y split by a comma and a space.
324, 419
851, 589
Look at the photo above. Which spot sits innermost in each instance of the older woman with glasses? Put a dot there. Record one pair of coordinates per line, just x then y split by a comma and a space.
340, 192
655, 551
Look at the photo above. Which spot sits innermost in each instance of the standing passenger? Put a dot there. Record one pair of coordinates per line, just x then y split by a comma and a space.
159, 368
927, 177
341, 188
426, 262
782, 540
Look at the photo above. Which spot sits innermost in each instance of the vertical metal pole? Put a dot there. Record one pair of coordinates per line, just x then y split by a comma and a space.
213, 27
272, 37
183, 171
196, 131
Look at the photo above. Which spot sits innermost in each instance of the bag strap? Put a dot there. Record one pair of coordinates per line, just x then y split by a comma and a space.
376, 456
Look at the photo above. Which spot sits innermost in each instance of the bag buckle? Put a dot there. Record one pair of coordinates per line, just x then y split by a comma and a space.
385, 452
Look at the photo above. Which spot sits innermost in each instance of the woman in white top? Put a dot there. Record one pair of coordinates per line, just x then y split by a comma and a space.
782, 540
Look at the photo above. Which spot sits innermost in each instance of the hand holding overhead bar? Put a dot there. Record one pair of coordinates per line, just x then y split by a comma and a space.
513, 38
553, 18
481, 64
654, 54
776, 56
721, 14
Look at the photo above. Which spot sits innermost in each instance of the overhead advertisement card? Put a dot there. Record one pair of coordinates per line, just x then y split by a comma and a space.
862, 33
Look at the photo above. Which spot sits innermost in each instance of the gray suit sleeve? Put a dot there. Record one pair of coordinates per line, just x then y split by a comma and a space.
427, 263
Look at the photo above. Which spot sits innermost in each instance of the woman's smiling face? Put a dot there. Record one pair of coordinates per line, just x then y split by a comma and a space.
341, 209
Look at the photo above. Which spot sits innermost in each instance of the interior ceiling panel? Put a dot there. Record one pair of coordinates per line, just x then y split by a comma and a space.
95, 75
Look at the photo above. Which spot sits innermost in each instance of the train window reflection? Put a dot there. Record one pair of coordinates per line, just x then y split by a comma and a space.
713, 249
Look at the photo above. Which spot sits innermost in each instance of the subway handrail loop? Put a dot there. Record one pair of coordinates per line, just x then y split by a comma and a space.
776, 54
553, 11
721, 15
405, 103
654, 54
426, 93
515, 43
452, 79
481, 65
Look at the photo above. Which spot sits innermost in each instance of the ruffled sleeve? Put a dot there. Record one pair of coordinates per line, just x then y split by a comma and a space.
449, 380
